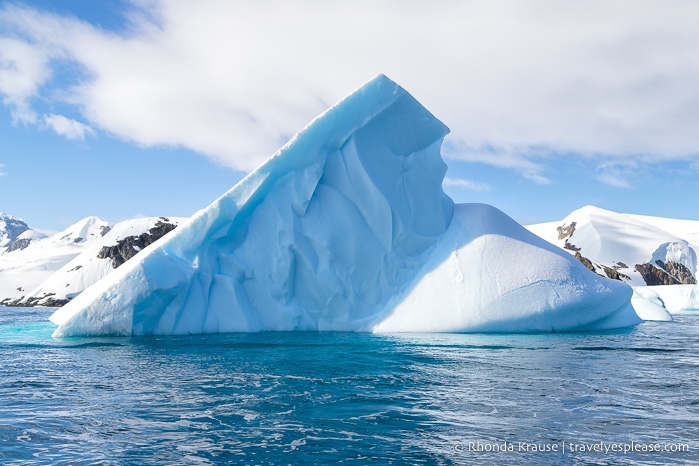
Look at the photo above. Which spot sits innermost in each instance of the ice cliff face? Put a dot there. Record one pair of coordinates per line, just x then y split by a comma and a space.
347, 228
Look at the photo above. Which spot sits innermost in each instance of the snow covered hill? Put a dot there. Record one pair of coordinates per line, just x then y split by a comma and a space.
637, 249
22, 270
53, 270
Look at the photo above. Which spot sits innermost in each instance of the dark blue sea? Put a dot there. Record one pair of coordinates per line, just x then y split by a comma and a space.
623, 397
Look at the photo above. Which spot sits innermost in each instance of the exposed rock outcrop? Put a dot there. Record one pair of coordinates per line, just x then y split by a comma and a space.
19, 244
584, 261
45, 300
566, 231
665, 273
653, 276
570, 247
128, 247
614, 274
678, 271
609, 272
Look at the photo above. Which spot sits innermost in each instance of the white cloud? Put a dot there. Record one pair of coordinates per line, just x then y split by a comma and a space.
23, 69
233, 80
466, 184
2, 169
67, 127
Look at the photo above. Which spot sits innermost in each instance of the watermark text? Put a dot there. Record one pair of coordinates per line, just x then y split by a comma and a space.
566, 447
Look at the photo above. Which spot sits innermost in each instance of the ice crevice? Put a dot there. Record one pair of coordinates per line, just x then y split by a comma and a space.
347, 228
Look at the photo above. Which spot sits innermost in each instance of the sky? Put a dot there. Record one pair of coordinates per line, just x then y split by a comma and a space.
125, 108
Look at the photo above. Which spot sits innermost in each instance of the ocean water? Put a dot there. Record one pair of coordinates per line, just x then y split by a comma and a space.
323, 398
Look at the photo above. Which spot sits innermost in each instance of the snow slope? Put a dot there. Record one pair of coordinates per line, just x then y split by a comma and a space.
90, 266
23, 270
621, 241
685, 229
347, 228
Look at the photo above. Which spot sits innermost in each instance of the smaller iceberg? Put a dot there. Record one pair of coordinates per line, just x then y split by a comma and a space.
347, 228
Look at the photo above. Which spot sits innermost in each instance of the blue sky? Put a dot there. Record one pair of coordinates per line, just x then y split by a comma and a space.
147, 107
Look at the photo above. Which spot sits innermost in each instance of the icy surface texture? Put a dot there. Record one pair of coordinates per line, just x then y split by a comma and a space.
490, 274
320, 237
347, 228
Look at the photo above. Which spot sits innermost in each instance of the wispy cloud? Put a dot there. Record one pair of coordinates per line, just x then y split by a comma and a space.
618, 174
2, 169
518, 159
466, 184
233, 80
67, 127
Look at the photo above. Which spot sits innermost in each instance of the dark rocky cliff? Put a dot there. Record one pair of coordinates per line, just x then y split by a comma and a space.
665, 273
128, 247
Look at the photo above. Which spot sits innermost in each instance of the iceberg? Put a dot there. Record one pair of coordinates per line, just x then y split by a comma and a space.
347, 228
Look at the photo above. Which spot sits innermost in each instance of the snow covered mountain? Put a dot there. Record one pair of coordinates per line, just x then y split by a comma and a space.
639, 250
347, 228
53, 270
15, 234
22, 270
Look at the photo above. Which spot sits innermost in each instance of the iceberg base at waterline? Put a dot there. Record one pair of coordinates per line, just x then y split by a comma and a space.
347, 228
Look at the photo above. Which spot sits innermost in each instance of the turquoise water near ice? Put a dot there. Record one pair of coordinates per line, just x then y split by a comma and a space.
321, 398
